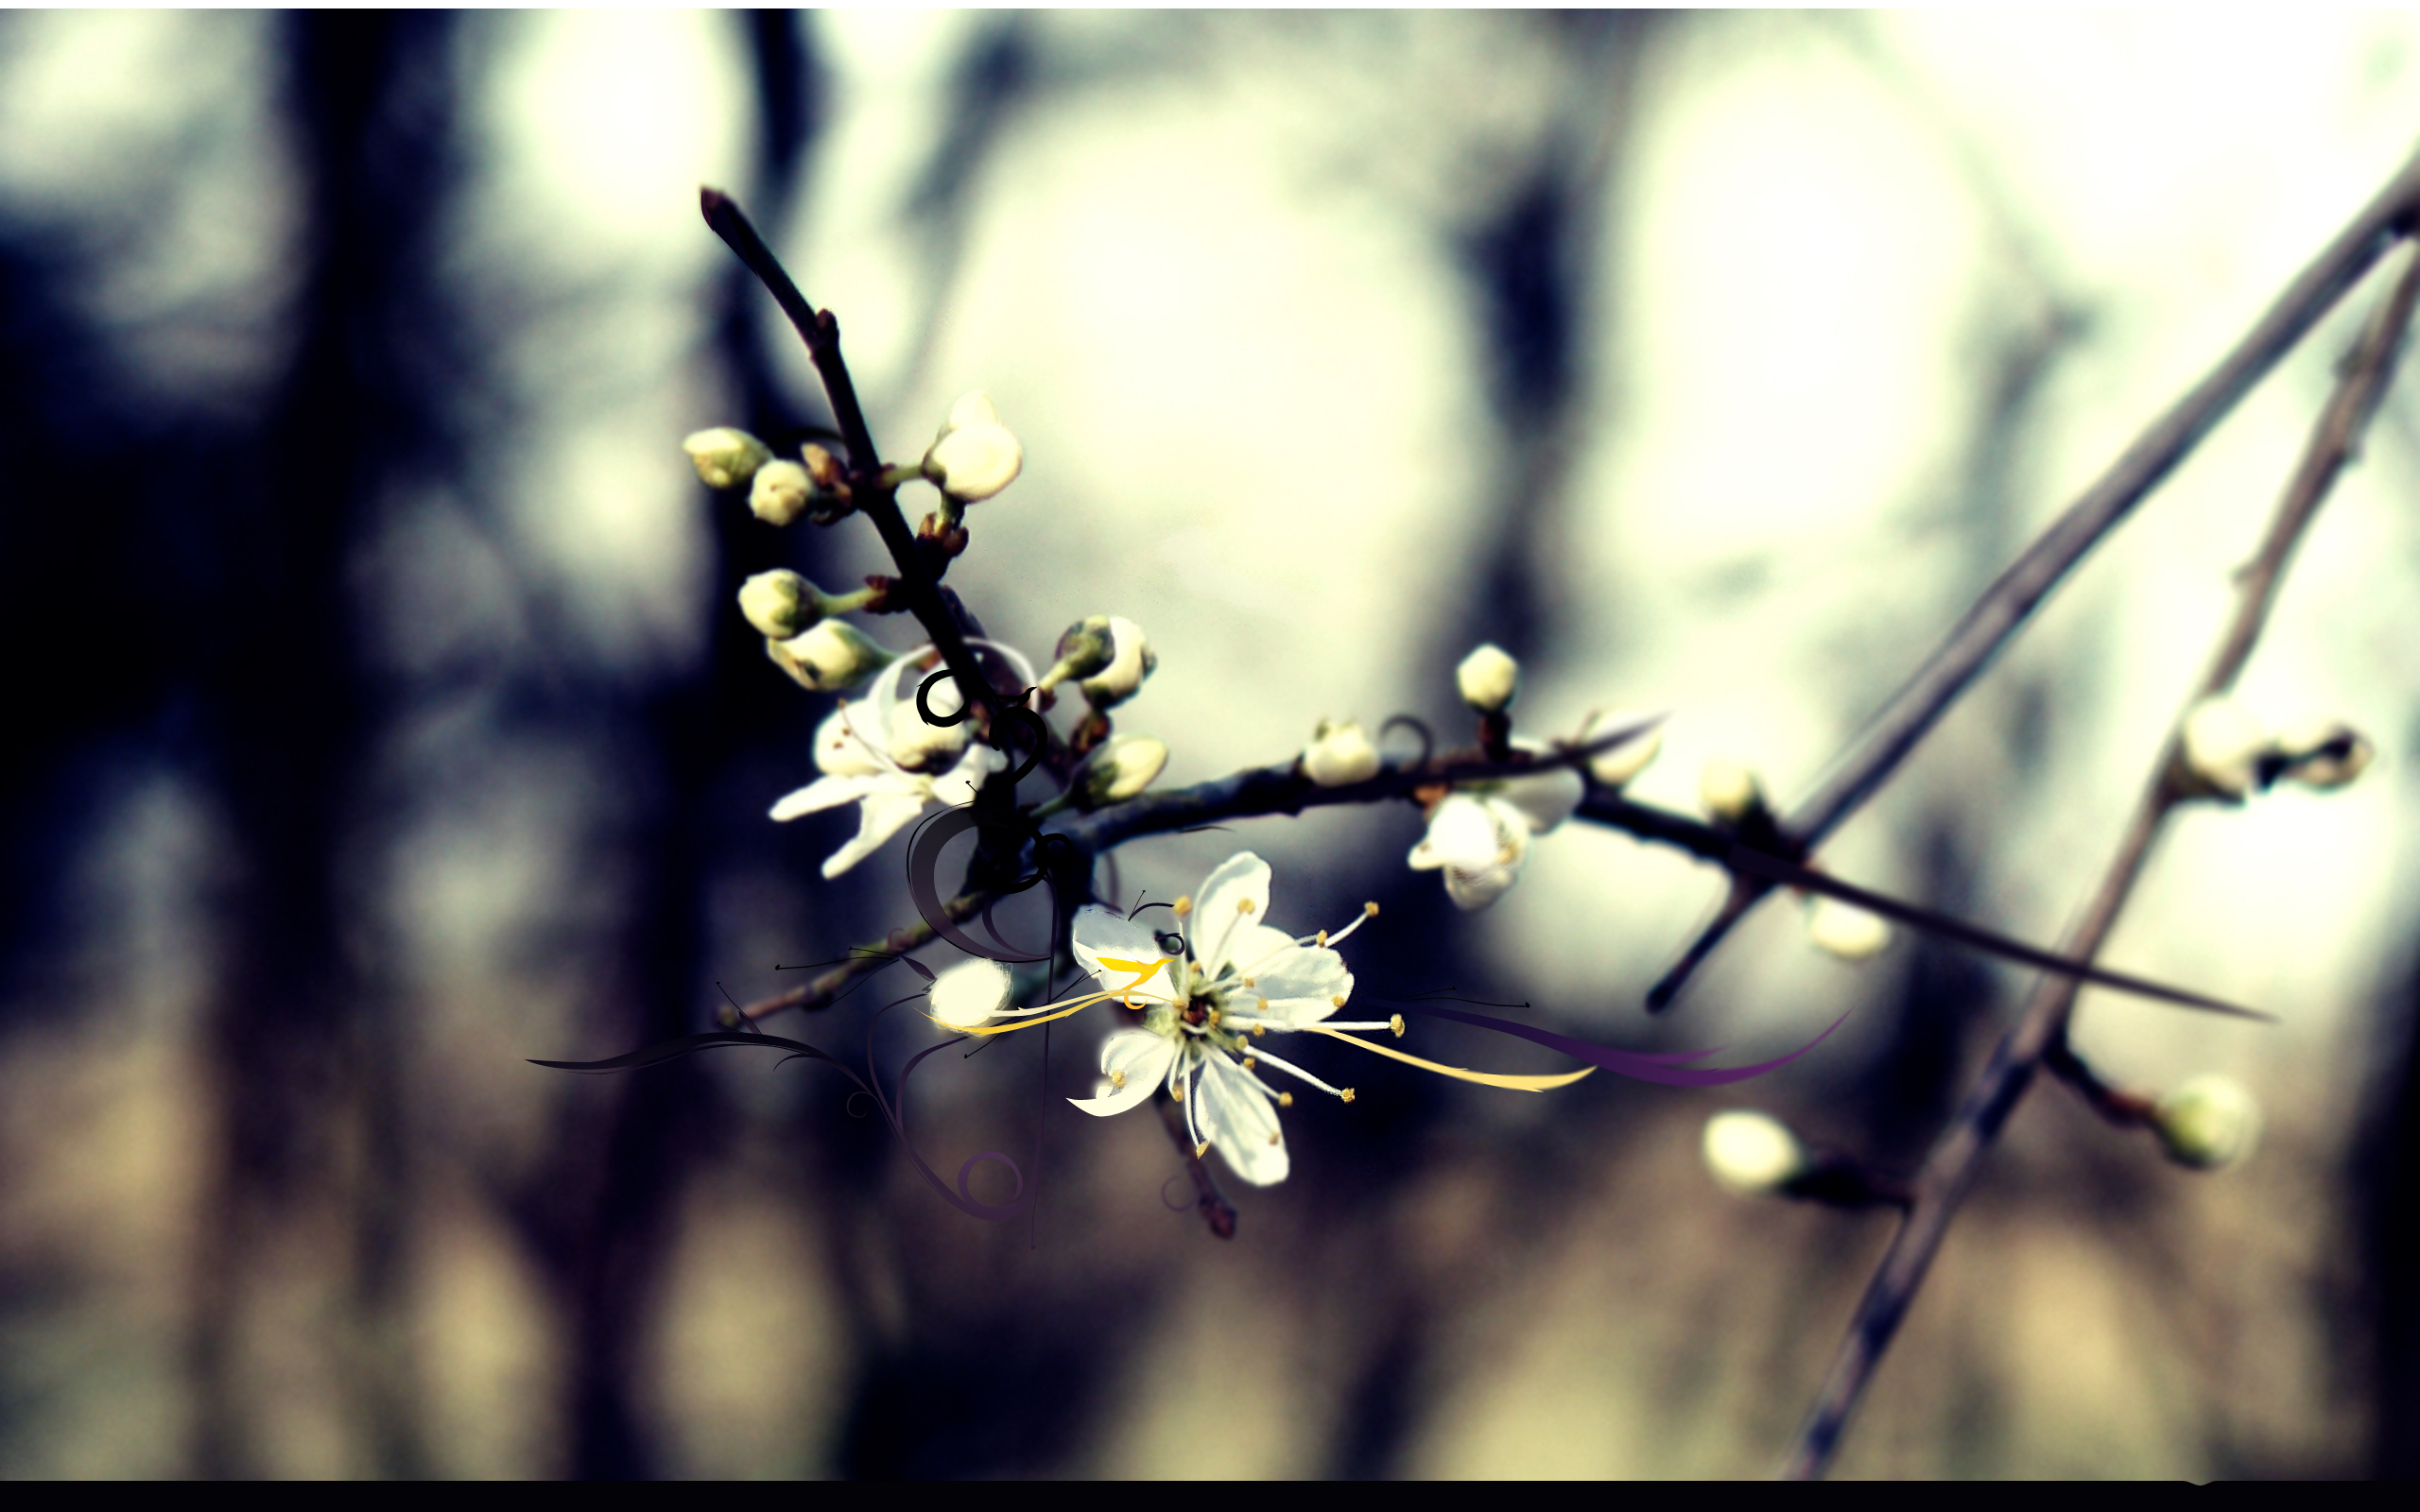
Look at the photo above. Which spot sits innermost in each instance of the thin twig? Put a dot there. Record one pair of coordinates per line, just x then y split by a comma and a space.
822, 992
873, 498
1950, 1171
2013, 597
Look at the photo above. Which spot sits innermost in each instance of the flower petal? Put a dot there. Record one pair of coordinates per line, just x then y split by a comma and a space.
1544, 800
1239, 1121
1101, 933
844, 747
826, 793
1463, 831
1236, 893
1301, 985
1142, 1057
885, 813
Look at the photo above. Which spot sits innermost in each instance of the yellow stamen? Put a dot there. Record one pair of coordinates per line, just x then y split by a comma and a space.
1485, 1078
1249, 982
1346, 1093
1214, 1017
1185, 906
1322, 936
1118, 1079
1395, 1022
1274, 1136
1260, 1031
1370, 910
1244, 905
1201, 1149
1264, 1005
1336, 1001
1176, 1093
1250, 1062
1284, 1099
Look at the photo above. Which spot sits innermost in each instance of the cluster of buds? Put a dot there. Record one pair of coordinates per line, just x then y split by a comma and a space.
2228, 754
779, 490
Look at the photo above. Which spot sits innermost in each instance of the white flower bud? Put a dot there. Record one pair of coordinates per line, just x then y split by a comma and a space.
2223, 745
1120, 768
1131, 661
1729, 791
2208, 1123
781, 493
975, 457
2325, 753
920, 745
970, 993
1488, 679
834, 657
1340, 754
781, 604
1619, 765
1752, 1153
725, 457
1844, 930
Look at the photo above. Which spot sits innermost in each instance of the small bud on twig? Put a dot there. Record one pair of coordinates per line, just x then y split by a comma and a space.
1752, 1154
1131, 661
968, 994
975, 457
2323, 754
1084, 648
1340, 754
1844, 930
2208, 1123
781, 493
1488, 679
725, 457
781, 604
1730, 791
1120, 768
2221, 751
834, 657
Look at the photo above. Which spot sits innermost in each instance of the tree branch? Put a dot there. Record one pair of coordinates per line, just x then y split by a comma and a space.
873, 498
822, 991
1950, 1171
2013, 597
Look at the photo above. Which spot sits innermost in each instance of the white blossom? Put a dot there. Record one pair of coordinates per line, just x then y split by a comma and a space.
781, 493
881, 754
1479, 834
1488, 679
1752, 1153
970, 993
1340, 754
725, 457
975, 457
1209, 1005
2208, 1123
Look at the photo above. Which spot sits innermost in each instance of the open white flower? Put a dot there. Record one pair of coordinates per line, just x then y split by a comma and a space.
881, 754
1210, 1001
1480, 835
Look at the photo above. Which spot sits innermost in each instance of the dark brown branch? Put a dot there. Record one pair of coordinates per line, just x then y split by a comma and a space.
873, 498
2012, 599
1951, 1169
1208, 1200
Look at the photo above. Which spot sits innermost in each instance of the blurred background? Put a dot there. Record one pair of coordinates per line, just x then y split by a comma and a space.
384, 720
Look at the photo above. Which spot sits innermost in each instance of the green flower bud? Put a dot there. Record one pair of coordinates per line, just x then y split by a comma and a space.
1084, 649
1131, 660
781, 604
2208, 1123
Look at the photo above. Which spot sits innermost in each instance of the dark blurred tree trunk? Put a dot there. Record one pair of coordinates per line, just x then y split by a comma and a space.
310, 1160
630, 1154
2386, 1185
